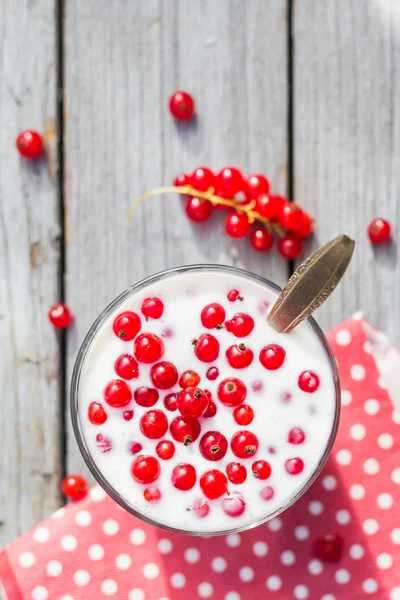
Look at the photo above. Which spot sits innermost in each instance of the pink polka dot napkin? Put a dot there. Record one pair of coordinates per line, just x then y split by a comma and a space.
93, 550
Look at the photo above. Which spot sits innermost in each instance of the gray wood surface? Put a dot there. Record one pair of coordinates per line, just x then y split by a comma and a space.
347, 144
29, 262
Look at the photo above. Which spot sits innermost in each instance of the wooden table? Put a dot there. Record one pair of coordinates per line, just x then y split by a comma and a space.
306, 91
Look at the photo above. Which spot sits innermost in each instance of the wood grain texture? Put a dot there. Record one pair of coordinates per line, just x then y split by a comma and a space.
347, 143
124, 60
29, 260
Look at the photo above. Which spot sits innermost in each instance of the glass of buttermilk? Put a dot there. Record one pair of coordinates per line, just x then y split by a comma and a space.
192, 412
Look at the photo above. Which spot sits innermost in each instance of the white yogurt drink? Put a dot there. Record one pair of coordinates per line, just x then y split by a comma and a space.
192, 412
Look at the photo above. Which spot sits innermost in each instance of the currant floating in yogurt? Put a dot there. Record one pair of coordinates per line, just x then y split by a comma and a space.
210, 428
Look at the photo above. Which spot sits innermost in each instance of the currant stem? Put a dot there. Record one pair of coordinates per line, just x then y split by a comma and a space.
248, 209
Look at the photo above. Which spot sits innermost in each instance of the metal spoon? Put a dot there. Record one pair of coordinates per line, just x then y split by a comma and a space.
311, 284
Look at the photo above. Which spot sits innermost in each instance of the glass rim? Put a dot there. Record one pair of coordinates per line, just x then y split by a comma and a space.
85, 346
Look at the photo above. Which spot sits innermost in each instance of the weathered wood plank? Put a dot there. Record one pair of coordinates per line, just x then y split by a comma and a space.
29, 262
347, 143
124, 59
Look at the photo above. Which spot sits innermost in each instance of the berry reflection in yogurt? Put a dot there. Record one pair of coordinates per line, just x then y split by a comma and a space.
193, 411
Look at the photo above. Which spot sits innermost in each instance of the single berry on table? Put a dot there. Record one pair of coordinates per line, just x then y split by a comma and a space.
152, 494
234, 505
262, 240
201, 508
148, 348
202, 179
212, 315
306, 229
379, 231
239, 356
243, 414
103, 443
232, 391
127, 325
290, 247
165, 449
291, 216
296, 436
267, 206
211, 410
308, 382
185, 430
152, 308
237, 225
164, 375
236, 472
267, 492
206, 348
234, 295
181, 105
198, 209
257, 185
189, 379
128, 415
182, 180
229, 182
126, 367
170, 402
184, 477
329, 547
134, 447
145, 469
213, 484
117, 393
154, 424
213, 445
60, 316
96, 413
192, 402
294, 466
212, 373
272, 357
29, 144
244, 444
145, 396
240, 325
261, 469
75, 487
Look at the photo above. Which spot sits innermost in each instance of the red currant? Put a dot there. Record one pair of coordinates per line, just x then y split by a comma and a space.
184, 477
212, 373
278, 202
272, 357
170, 402
165, 449
75, 487
243, 414
211, 410
206, 348
308, 382
379, 231
135, 447
189, 379
103, 443
29, 144
329, 547
164, 375
127, 325
262, 240
234, 505
128, 415
291, 216
234, 295
237, 225
146, 396
294, 466
154, 424
244, 444
257, 185
152, 308
203, 179
232, 391
296, 436
239, 356
261, 469
148, 348
185, 430
60, 316
290, 247
192, 402
240, 325
236, 472
96, 413
229, 182
182, 180
267, 206
267, 492
126, 367
201, 508
213, 445
145, 469
213, 484
152, 494
117, 393
307, 228
181, 105
213, 315
198, 210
